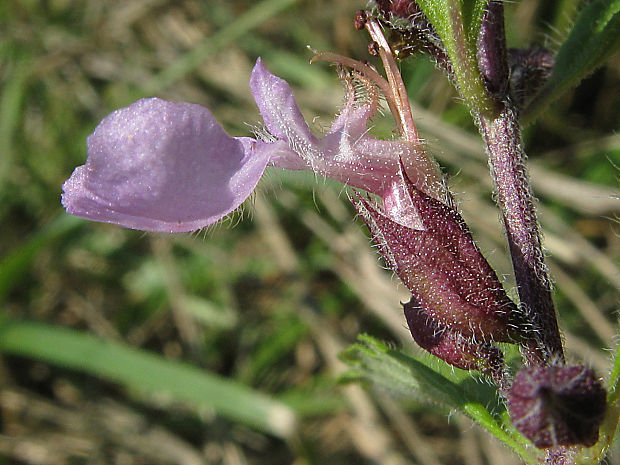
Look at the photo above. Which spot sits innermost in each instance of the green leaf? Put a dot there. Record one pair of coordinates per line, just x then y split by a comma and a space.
413, 379
458, 22
11, 100
593, 39
144, 372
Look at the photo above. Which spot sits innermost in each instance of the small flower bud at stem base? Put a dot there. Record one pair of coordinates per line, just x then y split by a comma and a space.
557, 405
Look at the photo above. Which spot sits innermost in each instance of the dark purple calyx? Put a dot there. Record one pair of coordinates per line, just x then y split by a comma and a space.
451, 346
529, 70
557, 405
451, 282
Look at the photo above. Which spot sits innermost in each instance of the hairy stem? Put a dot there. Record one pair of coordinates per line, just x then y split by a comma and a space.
502, 134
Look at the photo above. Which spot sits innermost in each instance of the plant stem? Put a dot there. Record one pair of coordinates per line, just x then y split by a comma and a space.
502, 134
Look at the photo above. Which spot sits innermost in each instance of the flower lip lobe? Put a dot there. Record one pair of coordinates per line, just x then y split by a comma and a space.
163, 166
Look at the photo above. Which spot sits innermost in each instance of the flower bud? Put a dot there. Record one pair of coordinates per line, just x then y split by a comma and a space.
557, 405
529, 70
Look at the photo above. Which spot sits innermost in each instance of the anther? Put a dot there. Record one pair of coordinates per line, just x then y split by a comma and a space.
360, 19
373, 49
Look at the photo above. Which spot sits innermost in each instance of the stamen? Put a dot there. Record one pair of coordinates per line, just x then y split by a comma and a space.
371, 93
357, 65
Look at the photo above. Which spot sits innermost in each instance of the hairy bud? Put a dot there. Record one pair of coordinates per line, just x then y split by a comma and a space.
529, 70
557, 405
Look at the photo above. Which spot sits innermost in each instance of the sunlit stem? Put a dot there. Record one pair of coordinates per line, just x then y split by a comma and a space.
403, 114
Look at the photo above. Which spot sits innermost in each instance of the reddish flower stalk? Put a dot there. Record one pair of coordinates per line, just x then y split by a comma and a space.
507, 159
502, 133
403, 113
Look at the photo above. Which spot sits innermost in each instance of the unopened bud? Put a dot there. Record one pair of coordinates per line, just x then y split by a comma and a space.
557, 405
529, 70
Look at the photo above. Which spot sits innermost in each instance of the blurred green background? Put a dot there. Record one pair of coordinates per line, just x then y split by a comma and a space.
221, 347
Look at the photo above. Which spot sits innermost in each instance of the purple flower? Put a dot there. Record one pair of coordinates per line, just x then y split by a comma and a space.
165, 166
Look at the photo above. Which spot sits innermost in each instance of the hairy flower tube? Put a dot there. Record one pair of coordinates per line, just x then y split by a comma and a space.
166, 166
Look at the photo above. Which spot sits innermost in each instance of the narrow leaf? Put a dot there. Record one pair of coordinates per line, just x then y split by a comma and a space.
145, 372
412, 379
593, 39
14, 266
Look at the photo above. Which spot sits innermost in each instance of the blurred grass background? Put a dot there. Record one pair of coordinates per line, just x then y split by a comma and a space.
120, 347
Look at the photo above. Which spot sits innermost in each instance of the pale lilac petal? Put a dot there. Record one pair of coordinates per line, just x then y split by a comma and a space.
360, 160
163, 166
353, 118
282, 116
347, 152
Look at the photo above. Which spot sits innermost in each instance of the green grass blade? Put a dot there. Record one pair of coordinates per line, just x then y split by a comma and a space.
14, 266
147, 373
11, 97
